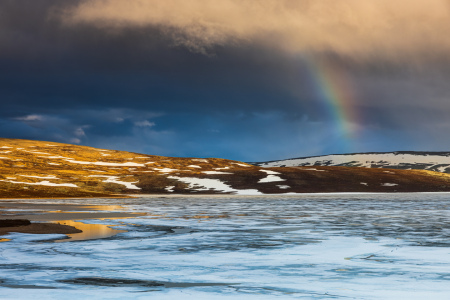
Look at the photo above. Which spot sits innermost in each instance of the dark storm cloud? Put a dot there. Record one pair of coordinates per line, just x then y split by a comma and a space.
91, 72
62, 66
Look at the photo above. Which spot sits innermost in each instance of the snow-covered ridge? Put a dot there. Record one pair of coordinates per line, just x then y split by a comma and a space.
433, 161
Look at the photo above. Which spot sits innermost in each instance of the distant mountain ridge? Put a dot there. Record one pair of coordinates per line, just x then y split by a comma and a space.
403, 160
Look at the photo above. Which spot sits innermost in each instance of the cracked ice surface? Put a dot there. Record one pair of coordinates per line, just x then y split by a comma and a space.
391, 246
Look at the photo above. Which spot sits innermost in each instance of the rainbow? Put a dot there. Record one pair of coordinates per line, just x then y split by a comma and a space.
337, 95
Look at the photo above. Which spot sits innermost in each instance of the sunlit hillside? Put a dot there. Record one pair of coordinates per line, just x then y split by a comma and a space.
47, 169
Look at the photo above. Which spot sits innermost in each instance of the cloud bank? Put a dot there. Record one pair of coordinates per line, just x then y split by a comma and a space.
131, 75
392, 29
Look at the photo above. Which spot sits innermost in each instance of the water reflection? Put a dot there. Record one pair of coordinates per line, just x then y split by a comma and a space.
90, 231
106, 207
69, 214
84, 208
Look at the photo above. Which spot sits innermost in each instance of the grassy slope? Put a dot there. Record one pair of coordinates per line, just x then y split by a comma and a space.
22, 158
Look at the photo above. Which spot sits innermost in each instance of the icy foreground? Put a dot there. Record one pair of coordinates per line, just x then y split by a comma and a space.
229, 247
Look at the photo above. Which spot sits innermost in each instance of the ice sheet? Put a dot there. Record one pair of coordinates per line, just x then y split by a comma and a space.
393, 246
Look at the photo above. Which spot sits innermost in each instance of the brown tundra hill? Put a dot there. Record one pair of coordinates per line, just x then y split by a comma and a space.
39, 169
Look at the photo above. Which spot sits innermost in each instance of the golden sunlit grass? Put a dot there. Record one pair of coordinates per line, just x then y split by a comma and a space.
29, 168
37, 169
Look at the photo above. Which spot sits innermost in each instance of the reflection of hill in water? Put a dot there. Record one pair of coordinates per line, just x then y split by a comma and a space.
90, 231
47, 218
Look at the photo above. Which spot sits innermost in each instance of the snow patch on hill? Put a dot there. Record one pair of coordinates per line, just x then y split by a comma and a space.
205, 184
215, 172
242, 165
271, 178
283, 187
165, 170
270, 172
41, 177
389, 184
101, 163
114, 179
45, 182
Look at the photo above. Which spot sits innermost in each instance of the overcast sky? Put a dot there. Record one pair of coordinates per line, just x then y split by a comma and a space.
250, 80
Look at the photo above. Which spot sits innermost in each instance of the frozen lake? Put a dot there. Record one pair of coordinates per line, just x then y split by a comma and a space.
386, 246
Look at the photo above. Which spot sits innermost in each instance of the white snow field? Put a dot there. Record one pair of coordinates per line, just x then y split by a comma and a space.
439, 162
